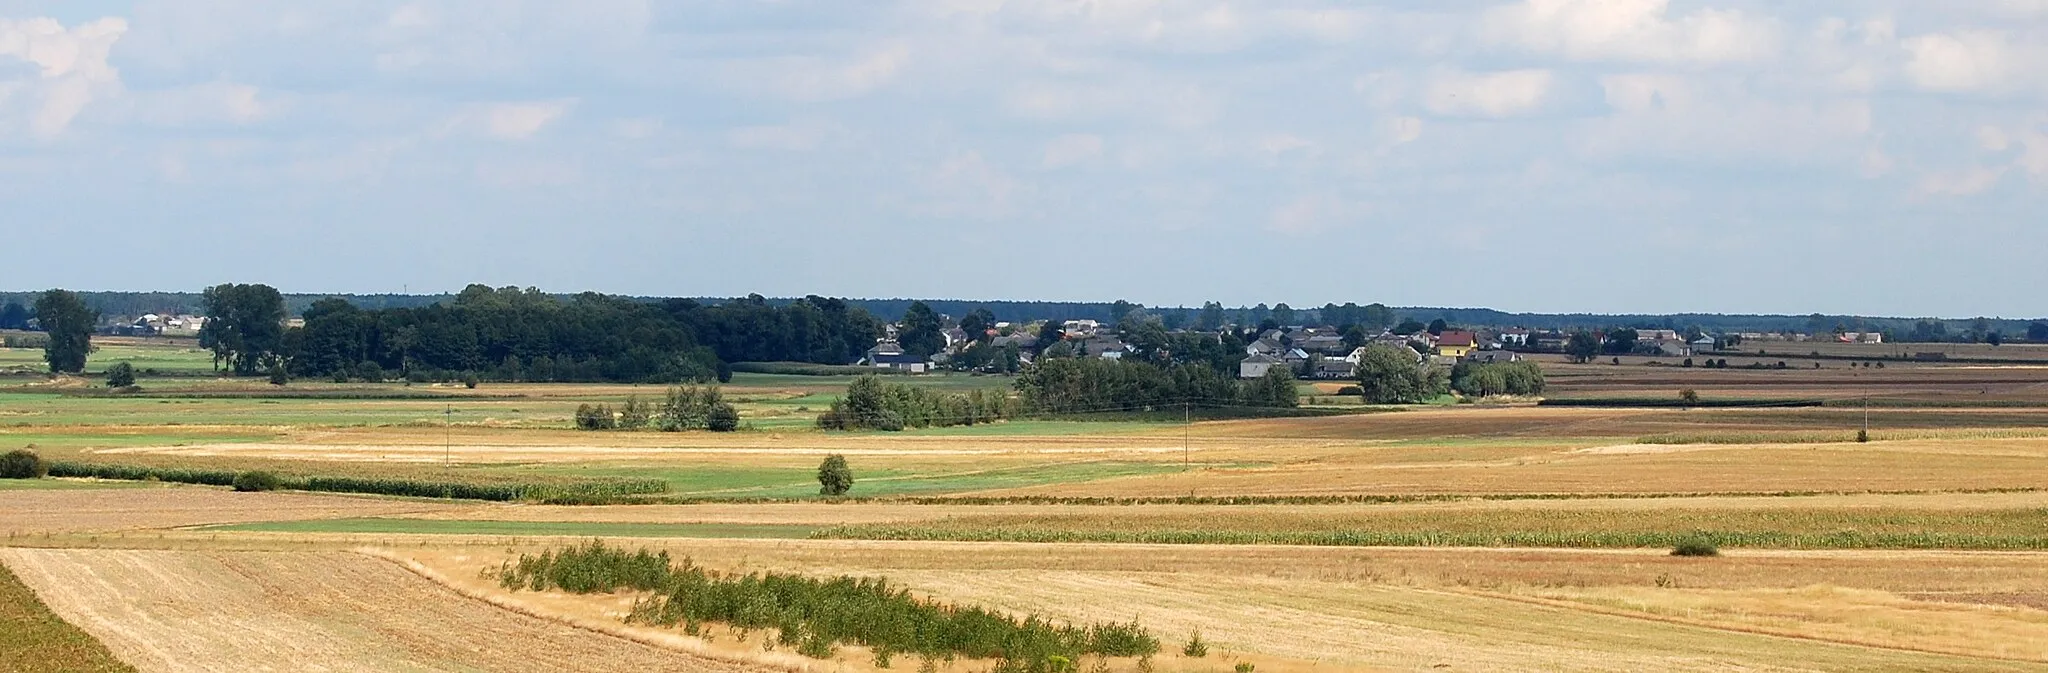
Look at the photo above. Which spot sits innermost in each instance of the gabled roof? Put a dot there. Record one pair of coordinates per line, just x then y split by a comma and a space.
1454, 338
1260, 358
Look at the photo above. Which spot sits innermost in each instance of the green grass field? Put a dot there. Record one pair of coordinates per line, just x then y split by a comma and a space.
34, 639
801, 482
550, 528
180, 359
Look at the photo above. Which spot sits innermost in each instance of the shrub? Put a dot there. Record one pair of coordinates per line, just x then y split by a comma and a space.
633, 414
723, 418
257, 480
1689, 396
278, 376
470, 380
23, 464
835, 478
594, 417
1195, 647
1696, 548
1862, 436
120, 375
1244, 667
1351, 390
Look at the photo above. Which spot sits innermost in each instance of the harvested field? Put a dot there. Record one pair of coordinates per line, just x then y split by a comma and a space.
34, 639
97, 510
256, 611
1301, 609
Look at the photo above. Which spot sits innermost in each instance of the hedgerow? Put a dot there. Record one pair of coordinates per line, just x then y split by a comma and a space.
816, 615
607, 490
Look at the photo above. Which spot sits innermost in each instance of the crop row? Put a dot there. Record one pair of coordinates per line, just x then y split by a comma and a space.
603, 489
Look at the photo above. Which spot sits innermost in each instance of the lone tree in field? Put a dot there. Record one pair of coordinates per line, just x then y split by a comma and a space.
120, 375
1582, 347
65, 317
834, 477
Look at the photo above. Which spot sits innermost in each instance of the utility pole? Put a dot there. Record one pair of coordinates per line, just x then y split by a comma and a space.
1187, 418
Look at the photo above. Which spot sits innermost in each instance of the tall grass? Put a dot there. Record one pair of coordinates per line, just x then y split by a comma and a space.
587, 490
816, 615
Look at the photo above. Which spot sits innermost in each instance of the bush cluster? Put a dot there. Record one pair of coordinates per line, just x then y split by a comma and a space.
683, 408
23, 464
257, 480
816, 615
873, 404
1482, 379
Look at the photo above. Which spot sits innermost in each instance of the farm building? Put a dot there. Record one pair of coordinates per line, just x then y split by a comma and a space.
1256, 365
890, 355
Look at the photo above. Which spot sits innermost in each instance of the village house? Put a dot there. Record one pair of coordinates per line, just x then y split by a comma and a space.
1332, 368
1256, 365
890, 355
1455, 343
1490, 357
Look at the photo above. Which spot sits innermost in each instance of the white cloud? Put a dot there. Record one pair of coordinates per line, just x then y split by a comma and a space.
819, 79
1970, 182
1071, 149
1312, 214
1696, 118
795, 136
1630, 30
71, 63
965, 184
519, 121
1497, 94
1966, 61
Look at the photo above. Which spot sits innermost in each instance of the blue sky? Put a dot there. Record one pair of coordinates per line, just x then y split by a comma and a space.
1874, 157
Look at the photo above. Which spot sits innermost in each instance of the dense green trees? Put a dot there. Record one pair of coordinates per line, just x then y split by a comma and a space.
1582, 346
920, 332
873, 404
2037, 332
509, 334
244, 327
1392, 375
1082, 385
69, 324
1484, 379
14, 316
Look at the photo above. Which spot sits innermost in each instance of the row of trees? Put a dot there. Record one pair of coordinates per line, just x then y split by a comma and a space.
683, 408
873, 404
1485, 379
1082, 385
509, 334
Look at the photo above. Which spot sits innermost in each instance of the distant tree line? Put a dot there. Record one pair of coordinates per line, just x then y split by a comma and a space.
509, 334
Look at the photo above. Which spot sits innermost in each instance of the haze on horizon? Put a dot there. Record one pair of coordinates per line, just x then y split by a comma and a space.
1643, 156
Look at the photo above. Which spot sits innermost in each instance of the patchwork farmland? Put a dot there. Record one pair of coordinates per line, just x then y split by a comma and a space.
1478, 537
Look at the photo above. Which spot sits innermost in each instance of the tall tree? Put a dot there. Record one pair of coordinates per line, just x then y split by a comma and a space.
1621, 341
14, 316
1391, 375
921, 333
244, 326
1582, 346
1211, 316
69, 322
1283, 314
977, 323
1438, 326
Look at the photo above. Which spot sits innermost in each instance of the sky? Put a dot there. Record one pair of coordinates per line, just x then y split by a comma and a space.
1876, 157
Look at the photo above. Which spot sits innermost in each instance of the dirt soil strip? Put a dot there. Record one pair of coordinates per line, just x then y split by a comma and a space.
287, 611
99, 510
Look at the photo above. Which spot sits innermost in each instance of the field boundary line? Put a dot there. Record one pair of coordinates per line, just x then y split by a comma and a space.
1751, 630
671, 642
